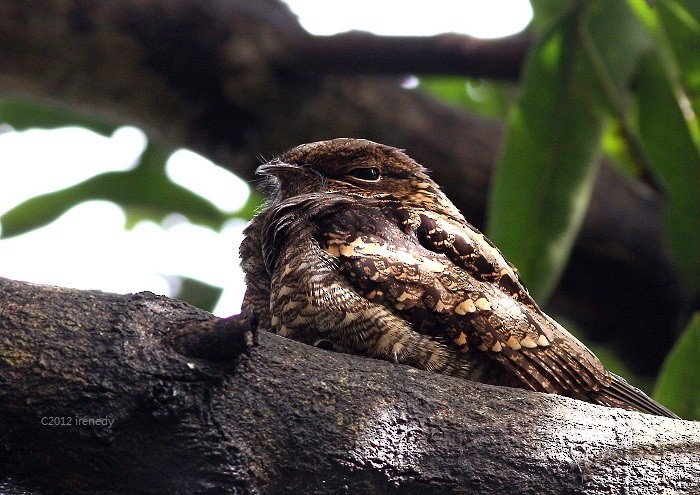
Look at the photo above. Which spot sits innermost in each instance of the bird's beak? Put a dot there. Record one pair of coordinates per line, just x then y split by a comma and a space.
273, 168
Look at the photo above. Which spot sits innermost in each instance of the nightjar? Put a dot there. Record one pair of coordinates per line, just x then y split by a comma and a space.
358, 249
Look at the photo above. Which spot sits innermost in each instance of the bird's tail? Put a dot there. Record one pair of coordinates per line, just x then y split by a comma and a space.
621, 394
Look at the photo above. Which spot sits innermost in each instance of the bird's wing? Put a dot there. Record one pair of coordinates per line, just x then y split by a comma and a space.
564, 361
469, 249
441, 296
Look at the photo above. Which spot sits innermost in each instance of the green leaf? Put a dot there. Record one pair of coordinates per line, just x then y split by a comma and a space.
545, 177
198, 293
615, 40
681, 26
675, 157
616, 149
144, 192
678, 385
548, 13
481, 96
23, 114
580, 69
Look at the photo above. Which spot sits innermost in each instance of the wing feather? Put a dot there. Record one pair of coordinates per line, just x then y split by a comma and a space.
566, 363
441, 280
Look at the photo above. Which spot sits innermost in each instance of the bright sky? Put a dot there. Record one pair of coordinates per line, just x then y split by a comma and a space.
88, 248
482, 18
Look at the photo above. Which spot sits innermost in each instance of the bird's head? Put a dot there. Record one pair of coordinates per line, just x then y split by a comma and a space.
357, 168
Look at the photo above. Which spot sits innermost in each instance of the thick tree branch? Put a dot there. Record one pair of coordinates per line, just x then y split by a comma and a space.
219, 77
289, 418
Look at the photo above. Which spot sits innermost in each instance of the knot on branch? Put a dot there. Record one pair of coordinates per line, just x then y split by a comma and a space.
220, 339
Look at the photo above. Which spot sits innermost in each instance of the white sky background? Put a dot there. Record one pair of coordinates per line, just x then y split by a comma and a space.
88, 248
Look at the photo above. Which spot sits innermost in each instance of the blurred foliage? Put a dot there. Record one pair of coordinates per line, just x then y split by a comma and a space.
601, 77
198, 293
546, 173
492, 98
619, 78
616, 148
673, 154
144, 192
21, 114
678, 386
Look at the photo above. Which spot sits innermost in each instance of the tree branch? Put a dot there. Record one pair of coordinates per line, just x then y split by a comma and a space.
446, 54
289, 418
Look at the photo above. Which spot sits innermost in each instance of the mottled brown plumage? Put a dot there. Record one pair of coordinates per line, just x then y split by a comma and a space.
359, 250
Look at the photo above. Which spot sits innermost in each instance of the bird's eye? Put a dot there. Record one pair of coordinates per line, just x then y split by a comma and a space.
365, 173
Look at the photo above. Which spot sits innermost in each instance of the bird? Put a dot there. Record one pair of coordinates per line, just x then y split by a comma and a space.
358, 250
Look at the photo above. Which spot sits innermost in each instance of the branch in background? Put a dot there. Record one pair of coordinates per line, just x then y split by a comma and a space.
364, 53
290, 418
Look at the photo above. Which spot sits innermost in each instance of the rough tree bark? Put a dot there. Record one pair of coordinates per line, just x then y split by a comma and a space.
288, 418
236, 79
